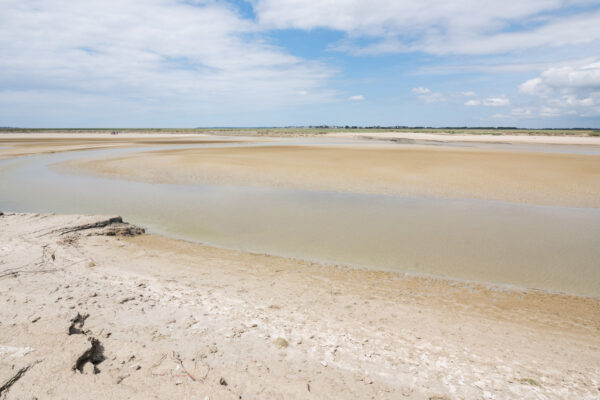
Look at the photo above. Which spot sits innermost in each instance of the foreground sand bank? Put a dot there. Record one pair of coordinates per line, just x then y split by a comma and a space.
512, 176
93, 309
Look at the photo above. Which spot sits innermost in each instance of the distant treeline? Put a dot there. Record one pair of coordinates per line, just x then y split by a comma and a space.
434, 127
262, 130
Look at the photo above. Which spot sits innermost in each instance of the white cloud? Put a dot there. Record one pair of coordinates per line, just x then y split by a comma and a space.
521, 112
358, 97
566, 90
468, 94
433, 98
421, 90
427, 96
522, 63
499, 101
200, 56
534, 86
567, 79
550, 112
436, 26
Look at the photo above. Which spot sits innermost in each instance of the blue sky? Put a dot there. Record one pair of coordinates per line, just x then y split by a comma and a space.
175, 63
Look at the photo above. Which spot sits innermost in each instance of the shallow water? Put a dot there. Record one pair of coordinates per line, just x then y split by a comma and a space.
547, 247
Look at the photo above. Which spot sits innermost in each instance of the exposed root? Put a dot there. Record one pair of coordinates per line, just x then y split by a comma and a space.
95, 225
110, 227
122, 230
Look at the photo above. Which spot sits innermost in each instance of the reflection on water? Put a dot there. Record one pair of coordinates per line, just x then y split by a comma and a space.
554, 248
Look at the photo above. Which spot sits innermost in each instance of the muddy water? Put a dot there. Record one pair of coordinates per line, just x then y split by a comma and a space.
553, 248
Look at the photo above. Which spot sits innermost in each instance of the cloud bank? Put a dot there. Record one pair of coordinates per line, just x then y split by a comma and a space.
438, 26
195, 57
187, 62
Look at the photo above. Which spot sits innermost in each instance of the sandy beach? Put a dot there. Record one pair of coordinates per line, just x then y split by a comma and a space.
95, 307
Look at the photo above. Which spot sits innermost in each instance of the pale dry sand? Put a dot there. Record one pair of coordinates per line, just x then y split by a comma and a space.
512, 176
88, 312
491, 138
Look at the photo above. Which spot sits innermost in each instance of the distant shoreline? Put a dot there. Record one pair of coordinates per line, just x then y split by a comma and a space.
285, 131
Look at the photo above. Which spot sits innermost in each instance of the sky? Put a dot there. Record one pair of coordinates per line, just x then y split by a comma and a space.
206, 63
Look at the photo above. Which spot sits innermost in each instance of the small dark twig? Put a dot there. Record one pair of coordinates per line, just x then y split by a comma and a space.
41, 271
186, 373
6, 385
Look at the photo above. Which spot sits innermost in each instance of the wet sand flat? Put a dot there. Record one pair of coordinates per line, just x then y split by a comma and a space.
18, 145
511, 176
